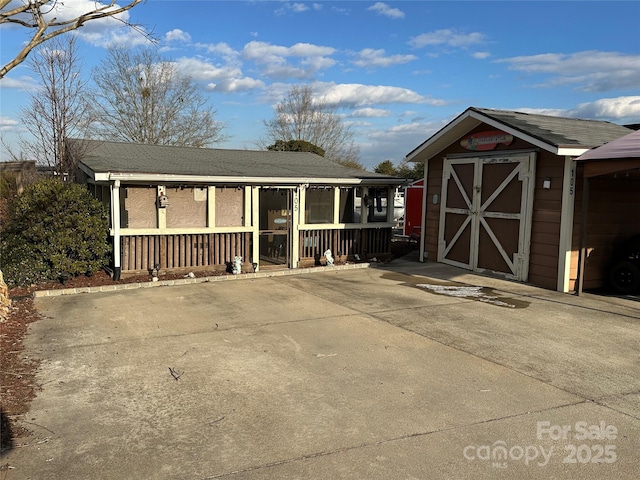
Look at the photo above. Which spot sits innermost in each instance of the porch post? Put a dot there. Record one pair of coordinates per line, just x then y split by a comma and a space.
115, 228
255, 218
295, 227
364, 206
391, 204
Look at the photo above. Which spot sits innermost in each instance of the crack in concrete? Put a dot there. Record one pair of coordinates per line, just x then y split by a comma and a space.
386, 441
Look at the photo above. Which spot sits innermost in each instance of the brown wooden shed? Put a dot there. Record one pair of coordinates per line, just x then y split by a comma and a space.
502, 195
186, 207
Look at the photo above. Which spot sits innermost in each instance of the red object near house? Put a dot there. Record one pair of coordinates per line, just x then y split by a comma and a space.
413, 207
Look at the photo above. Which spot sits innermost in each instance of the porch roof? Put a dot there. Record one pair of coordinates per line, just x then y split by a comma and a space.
104, 161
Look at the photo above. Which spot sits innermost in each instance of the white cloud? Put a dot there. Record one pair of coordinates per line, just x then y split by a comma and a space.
359, 95
370, 58
7, 123
201, 70
318, 63
384, 9
370, 113
70, 9
220, 48
225, 79
113, 35
395, 142
23, 83
232, 85
295, 7
448, 37
610, 108
264, 52
592, 71
299, 7
177, 35
618, 110
480, 55
101, 32
274, 59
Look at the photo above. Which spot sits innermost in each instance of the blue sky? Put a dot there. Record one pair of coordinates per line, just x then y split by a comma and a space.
398, 71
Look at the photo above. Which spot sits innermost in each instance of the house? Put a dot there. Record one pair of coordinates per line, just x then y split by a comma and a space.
503, 195
186, 207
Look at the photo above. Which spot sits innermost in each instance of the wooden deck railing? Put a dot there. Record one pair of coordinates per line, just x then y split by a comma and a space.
142, 252
345, 243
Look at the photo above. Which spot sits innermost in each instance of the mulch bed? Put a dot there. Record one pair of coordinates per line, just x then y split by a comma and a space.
17, 371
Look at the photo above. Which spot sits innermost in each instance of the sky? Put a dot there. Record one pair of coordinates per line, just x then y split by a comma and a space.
397, 71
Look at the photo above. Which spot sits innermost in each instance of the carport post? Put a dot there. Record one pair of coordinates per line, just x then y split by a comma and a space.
583, 222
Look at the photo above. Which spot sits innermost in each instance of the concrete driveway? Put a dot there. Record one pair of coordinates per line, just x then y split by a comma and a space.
394, 372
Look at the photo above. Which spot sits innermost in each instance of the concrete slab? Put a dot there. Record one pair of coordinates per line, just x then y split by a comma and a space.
506, 448
349, 374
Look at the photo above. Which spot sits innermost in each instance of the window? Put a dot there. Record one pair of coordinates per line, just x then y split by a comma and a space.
187, 207
348, 211
229, 207
319, 205
138, 207
377, 205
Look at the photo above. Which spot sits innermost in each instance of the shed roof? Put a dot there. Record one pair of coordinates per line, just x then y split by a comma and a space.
558, 135
141, 162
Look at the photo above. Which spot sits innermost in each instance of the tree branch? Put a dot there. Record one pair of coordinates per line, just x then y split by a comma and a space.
41, 26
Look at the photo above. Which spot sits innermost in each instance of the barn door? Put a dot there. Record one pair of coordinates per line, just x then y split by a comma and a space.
485, 214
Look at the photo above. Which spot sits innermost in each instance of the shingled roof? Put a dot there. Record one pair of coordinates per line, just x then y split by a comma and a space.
559, 135
139, 161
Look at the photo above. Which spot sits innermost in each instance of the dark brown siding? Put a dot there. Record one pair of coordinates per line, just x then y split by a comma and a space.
613, 216
434, 187
545, 226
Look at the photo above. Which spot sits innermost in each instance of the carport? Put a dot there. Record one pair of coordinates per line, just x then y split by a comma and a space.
614, 170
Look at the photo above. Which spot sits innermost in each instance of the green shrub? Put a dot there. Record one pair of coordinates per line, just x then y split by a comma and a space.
55, 230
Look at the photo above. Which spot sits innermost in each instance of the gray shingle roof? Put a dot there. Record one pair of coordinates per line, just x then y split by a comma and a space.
559, 135
558, 131
117, 157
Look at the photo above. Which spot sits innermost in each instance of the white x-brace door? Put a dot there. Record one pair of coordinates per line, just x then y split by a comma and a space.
485, 214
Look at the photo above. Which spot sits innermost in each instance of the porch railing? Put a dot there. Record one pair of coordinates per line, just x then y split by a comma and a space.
143, 252
345, 243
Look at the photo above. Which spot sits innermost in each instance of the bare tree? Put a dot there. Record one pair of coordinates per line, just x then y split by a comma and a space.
59, 108
301, 117
143, 98
40, 17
